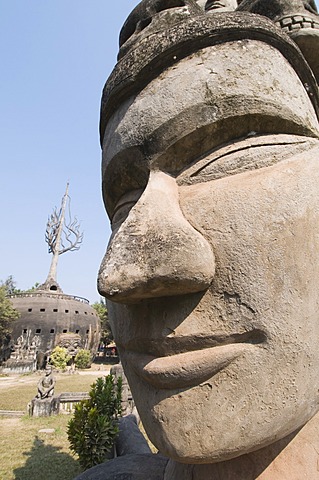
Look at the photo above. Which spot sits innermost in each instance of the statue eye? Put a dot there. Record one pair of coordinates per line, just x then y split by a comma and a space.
244, 155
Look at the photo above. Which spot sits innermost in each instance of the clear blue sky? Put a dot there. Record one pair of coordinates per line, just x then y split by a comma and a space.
55, 58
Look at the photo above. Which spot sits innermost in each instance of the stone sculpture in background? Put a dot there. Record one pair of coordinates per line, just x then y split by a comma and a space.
46, 384
25, 350
210, 137
215, 6
45, 403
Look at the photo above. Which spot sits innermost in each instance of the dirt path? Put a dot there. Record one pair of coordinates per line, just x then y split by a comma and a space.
12, 380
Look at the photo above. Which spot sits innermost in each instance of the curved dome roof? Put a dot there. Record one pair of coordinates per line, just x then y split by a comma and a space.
49, 318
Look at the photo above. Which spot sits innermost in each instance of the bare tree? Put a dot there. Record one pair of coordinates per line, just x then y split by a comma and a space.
61, 235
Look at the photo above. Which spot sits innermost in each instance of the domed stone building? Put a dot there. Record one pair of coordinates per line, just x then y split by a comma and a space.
50, 318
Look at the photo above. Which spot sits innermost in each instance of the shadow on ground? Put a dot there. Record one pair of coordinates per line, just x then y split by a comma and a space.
47, 462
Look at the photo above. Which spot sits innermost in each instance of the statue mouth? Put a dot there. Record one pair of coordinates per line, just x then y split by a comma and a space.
196, 359
214, 5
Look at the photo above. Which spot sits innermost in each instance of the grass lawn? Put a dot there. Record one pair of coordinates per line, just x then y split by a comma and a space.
25, 452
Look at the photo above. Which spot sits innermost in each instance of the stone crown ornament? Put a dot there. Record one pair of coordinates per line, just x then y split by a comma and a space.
159, 32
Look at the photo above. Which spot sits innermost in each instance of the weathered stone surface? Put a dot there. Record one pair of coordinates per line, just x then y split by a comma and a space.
44, 407
127, 402
210, 141
150, 58
130, 439
128, 467
292, 458
298, 18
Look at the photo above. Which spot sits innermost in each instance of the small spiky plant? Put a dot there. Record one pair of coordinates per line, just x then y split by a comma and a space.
94, 427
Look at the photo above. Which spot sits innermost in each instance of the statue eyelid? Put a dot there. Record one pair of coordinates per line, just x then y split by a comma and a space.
232, 161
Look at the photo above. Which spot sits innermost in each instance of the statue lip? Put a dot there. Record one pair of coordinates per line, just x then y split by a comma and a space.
173, 344
186, 369
190, 360
214, 5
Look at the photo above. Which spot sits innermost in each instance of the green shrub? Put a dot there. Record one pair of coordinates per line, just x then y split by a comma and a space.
83, 359
94, 427
59, 358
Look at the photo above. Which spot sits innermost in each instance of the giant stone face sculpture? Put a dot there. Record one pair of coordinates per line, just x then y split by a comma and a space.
209, 129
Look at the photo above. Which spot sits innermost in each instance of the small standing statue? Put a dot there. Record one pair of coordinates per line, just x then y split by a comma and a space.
46, 384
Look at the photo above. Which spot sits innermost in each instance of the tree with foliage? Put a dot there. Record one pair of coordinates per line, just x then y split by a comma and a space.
7, 315
10, 286
7, 312
83, 359
59, 358
94, 427
32, 289
106, 332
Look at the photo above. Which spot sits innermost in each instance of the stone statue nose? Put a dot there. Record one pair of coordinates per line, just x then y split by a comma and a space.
156, 252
